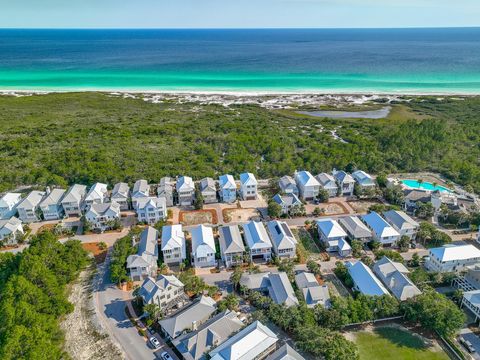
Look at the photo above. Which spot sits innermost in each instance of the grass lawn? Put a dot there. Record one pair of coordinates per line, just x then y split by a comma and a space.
392, 343
306, 240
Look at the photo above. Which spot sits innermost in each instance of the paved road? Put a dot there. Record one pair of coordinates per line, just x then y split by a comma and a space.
467, 334
110, 303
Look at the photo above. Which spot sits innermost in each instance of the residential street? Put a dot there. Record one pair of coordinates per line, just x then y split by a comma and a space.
110, 305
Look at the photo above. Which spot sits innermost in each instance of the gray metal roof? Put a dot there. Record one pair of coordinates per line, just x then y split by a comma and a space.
207, 184
400, 220
280, 289
121, 190
75, 194
194, 314
54, 198
148, 242
285, 353
281, 235
230, 239
355, 227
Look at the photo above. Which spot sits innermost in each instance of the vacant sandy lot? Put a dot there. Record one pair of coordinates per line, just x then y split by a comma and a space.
239, 215
196, 217
361, 207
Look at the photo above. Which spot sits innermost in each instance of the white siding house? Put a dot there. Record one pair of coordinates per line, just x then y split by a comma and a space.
144, 263
151, 210
203, 246
141, 190
248, 186
8, 203
185, 191
231, 245
284, 243
208, 190
327, 182
102, 216
333, 236
403, 223
288, 185
345, 182
257, 240
288, 202
452, 258
27, 208
308, 186
313, 293
72, 202
228, 188
173, 244
51, 205
121, 195
165, 292
382, 231
9, 230
393, 275
363, 179
98, 194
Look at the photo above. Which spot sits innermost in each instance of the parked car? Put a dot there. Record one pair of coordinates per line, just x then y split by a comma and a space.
166, 356
467, 344
155, 343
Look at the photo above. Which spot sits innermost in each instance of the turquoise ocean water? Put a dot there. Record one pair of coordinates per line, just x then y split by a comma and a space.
340, 60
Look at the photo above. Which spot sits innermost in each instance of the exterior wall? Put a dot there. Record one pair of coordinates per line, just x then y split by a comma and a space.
286, 253
326, 240
141, 273
474, 309
347, 189
232, 259
185, 198
166, 296
100, 222
248, 192
151, 215
387, 240
27, 215
434, 264
229, 195
209, 197
72, 209
411, 233
53, 212
174, 256
332, 192
266, 254
309, 192
124, 205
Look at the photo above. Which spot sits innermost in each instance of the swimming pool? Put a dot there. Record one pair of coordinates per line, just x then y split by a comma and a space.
414, 184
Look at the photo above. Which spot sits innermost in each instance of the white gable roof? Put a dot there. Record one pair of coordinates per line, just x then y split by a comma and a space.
363, 178
379, 226
256, 236
227, 182
10, 200
97, 191
120, 190
185, 183
75, 194
305, 178
140, 188
330, 228
203, 242
32, 200
154, 202
455, 253
53, 198
172, 237
248, 179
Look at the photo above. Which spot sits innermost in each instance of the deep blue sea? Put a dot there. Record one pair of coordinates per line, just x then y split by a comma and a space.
340, 60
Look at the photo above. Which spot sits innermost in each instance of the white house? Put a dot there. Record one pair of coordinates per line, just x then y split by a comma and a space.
165, 189
257, 240
231, 245
228, 188
102, 216
165, 292
144, 263
185, 191
121, 195
8, 204
208, 190
288, 202
151, 210
51, 205
308, 186
248, 186
333, 236
173, 244
393, 275
27, 208
9, 230
363, 179
72, 201
313, 293
141, 190
345, 182
327, 182
452, 258
288, 185
256, 341
284, 243
364, 280
98, 194
203, 246
382, 231
356, 229
403, 223
285, 352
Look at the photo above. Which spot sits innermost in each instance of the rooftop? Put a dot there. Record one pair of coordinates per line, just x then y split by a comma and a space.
364, 279
455, 252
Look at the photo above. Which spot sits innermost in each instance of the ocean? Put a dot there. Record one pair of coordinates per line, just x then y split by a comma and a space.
274, 61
